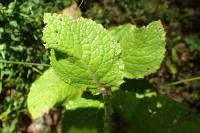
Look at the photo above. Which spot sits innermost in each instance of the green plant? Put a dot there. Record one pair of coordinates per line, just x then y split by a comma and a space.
179, 18
21, 24
87, 57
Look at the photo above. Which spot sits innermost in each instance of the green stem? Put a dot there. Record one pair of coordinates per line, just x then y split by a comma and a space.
23, 63
181, 81
107, 94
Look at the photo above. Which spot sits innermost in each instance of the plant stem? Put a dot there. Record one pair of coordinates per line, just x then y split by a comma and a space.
106, 93
23, 63
181, 81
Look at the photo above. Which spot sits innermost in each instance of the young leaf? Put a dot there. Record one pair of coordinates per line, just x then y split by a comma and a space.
142, 48
84, 53
48, 91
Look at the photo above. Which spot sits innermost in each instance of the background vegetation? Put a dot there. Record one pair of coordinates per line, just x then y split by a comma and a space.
21, 24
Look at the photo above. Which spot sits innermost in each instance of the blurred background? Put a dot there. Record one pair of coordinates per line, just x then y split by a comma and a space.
21, 24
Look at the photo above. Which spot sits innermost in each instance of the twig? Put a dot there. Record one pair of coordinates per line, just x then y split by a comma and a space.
80, 4
181, 81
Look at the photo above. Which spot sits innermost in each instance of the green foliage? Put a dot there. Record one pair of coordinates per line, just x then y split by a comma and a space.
153, 115
48, 91
142, 48
144, 115
85, 53
21, 24
20, 40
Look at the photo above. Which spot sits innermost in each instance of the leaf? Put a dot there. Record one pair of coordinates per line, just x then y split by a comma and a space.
84, 53
152, 115
48, 91
142, 48
83, 103
83, 120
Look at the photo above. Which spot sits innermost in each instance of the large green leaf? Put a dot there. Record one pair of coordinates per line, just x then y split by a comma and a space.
48, 91
153, 115
142, 48
84, 53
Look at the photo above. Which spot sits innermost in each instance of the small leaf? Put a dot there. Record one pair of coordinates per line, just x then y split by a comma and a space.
84, 53
142, 48
48, 91
83, 103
